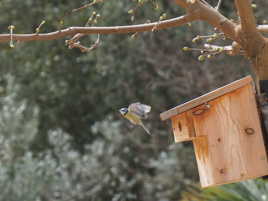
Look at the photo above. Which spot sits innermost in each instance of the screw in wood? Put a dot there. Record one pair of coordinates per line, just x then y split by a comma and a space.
249, 131
201, 110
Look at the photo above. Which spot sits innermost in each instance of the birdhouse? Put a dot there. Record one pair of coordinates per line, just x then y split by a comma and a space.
225, 129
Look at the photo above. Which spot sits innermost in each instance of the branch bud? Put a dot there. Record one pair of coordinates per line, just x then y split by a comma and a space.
11, 27
209, 40
163, 16
253, 5
201, 58
131, 11
185, 48
196, 39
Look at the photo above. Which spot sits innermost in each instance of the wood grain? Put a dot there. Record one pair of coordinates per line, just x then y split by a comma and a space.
225, 153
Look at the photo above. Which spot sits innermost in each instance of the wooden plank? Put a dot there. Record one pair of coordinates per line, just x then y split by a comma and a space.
250, 138
205, 98
203, 157
183, 128
225, 153
223, 161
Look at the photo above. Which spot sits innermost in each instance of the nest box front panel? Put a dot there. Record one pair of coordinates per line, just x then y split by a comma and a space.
228, 140
183, 127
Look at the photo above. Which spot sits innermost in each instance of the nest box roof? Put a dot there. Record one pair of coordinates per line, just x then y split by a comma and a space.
206, 97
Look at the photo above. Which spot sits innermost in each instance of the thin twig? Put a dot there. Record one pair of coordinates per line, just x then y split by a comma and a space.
87, 5
11, 28
218, 5
263, 28
37, 30
205, 2
79, 9
174, 22
247, 18
74, 43
209, 14
231, 50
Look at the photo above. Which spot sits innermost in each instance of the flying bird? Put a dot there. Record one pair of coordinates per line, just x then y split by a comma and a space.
135, 113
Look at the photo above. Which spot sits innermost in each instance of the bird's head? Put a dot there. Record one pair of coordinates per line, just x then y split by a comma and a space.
123, 111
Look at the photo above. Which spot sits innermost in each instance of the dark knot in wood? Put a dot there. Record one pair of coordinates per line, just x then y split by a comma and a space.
222, 171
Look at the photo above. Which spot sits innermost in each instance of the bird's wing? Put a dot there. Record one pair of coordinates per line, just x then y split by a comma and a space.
139, 109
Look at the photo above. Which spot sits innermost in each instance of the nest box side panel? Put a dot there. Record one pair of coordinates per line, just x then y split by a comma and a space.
183, 128
251, 138
229, 145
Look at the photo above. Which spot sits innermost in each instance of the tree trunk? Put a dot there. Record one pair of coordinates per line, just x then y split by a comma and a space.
260, 65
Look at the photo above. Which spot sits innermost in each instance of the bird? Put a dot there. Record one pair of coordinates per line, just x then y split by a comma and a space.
135, 112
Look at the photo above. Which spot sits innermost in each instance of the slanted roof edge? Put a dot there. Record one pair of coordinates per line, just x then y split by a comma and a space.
206, 97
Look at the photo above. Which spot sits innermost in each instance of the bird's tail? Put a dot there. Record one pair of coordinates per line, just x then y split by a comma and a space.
147, 131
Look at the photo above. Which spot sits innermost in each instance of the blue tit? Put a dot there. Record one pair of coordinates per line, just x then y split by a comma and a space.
135, 113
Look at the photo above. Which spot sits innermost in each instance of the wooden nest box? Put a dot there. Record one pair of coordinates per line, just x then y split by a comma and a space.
225, 128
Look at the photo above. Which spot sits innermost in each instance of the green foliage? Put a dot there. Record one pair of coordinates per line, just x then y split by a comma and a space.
18, 125
250, 190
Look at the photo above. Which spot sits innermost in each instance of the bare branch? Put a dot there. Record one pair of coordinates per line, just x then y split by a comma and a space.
182, 3
247, 18
250, 38
209, 14
74, 43
86, 6
263, 28
174, 22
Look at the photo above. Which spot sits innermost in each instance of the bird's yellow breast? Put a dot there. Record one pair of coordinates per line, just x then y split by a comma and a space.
133, 118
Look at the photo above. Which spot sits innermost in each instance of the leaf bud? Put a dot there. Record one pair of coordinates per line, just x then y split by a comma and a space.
201, 58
